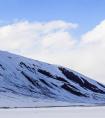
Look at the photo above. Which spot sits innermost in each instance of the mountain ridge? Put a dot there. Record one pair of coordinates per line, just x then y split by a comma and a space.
26, 82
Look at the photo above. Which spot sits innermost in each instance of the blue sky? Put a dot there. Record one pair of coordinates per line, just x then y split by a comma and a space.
87, 13
65, 32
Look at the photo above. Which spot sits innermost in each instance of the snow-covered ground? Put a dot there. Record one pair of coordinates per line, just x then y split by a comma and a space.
30, 83
63, 112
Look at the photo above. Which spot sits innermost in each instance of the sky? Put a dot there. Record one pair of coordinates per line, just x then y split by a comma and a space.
63, 32
87, 13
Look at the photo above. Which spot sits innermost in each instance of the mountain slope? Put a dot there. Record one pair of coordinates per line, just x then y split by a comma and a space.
29, 83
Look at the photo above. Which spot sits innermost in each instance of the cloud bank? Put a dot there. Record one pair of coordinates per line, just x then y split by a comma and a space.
53, 42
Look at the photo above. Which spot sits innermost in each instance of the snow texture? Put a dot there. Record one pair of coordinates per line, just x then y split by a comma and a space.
30, 83
63, 112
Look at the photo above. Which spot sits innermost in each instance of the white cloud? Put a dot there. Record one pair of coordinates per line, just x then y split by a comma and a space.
96, 35
22, 36
58, 40
53, 42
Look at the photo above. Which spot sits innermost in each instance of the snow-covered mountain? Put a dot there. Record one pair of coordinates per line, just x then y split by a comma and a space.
29, 83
